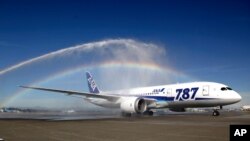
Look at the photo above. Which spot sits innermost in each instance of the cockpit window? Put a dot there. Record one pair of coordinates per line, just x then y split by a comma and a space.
223, 88
226, 88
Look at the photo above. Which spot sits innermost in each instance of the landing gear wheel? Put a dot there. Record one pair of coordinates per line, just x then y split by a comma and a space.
216, 113
126, 114
150, 113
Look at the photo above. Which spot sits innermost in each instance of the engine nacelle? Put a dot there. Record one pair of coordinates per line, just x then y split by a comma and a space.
134, 105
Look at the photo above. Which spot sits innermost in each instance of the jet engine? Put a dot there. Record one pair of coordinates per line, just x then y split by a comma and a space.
134, 105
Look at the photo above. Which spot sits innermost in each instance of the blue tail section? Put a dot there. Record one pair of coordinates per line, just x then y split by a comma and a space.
91, 84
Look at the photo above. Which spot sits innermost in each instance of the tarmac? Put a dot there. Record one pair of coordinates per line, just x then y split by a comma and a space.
169, 127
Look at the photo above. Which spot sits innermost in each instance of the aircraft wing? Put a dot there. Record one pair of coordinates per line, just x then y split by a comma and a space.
67, 92
107, 96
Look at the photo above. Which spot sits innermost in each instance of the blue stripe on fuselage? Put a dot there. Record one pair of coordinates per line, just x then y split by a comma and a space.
164, 98
160, 98
205, 98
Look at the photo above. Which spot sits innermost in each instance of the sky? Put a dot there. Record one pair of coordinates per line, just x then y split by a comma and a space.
205, 40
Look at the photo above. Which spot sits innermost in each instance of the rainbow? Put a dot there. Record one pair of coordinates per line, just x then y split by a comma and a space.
105, 65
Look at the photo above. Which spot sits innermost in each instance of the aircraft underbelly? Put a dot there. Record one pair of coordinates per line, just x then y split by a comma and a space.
200, 103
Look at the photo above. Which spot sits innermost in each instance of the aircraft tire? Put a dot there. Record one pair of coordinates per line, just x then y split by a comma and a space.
126, 114
216, 113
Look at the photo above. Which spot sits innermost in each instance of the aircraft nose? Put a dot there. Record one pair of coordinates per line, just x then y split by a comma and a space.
237, 97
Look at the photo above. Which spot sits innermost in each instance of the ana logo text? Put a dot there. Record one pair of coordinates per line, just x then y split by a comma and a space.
92, 83
158, 90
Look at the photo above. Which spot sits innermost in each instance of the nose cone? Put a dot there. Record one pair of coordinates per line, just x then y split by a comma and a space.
237, 97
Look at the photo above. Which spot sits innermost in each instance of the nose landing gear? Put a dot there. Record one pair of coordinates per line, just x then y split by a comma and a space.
216, 112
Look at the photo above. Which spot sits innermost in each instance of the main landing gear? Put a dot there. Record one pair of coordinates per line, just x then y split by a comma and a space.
149, 113
123, 114
146, 113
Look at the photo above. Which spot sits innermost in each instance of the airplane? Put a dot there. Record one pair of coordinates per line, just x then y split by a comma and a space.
144, 100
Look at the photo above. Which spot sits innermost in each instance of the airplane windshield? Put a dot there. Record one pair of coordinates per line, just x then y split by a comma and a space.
226, 88
223, 88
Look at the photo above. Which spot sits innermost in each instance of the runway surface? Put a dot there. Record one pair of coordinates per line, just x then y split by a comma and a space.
171, 127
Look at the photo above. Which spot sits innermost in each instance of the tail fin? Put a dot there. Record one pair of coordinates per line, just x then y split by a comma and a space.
91, 84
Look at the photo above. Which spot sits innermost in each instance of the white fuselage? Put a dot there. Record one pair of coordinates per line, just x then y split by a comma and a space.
185, 95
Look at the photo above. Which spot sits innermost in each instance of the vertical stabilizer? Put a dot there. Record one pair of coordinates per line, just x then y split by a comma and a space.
91, 84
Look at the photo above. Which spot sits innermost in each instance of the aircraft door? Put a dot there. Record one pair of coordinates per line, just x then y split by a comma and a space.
205, 90
169, 92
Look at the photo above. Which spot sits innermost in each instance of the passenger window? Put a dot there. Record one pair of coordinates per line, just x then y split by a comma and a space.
223, 89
